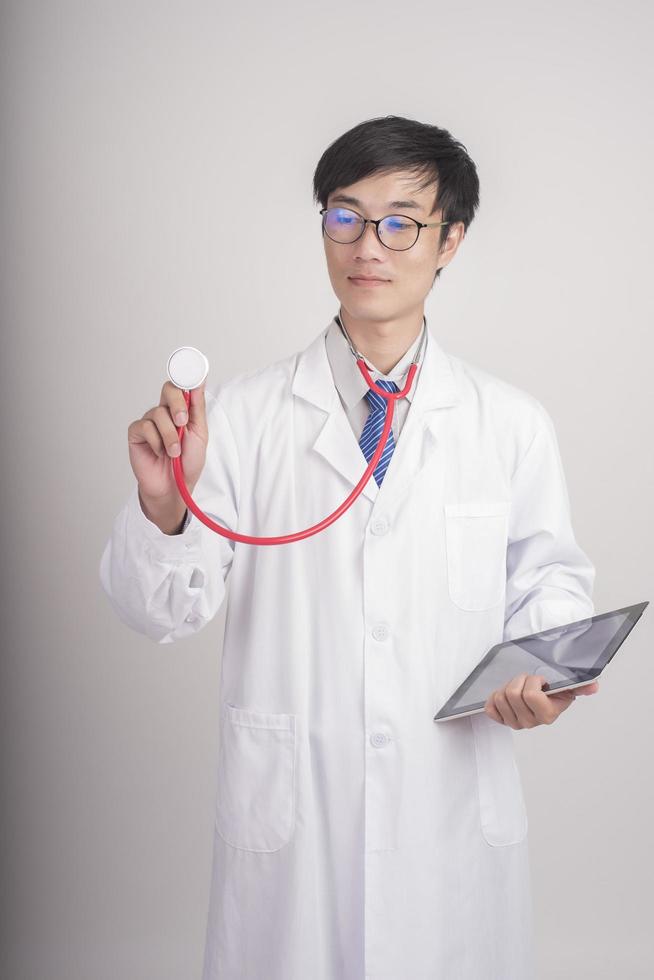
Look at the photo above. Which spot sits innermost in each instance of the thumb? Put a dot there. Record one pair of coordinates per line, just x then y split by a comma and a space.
197, 411
588, 688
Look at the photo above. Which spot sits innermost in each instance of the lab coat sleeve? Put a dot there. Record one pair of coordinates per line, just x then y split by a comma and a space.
170, 586
549, 579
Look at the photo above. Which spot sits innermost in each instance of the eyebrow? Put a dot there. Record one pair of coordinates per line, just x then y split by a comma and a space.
345, 199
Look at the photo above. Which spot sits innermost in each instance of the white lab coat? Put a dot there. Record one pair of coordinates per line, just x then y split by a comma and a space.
355, 837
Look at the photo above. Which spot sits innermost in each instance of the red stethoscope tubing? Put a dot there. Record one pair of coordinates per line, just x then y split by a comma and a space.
390, 396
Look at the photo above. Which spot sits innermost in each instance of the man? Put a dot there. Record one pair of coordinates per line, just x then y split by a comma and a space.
354, 837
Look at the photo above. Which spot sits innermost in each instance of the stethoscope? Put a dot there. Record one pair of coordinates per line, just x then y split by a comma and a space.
188, 367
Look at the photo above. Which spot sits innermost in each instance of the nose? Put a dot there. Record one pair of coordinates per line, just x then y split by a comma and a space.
363, 244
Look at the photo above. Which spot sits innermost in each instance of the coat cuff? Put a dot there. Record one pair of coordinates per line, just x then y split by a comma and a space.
165, 547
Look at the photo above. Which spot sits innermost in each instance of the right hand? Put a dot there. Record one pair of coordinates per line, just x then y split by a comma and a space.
150, 440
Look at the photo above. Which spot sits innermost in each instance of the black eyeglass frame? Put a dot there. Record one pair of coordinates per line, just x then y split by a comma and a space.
376, 222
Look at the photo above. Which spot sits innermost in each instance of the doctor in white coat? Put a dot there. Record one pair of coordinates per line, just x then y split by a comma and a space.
355, 838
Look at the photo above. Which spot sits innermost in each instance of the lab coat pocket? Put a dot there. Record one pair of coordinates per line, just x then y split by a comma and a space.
502, 809
256, 779
475, 541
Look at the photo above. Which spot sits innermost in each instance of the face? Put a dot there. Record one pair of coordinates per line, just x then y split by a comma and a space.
407, 275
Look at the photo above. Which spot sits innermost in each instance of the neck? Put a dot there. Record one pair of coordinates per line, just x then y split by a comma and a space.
382, 342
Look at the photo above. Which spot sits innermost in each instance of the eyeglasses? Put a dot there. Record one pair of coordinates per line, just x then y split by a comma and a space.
396, 231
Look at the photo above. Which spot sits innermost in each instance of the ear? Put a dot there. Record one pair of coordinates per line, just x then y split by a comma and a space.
455, 235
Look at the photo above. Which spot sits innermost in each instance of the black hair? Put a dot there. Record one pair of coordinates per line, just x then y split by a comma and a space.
390, 143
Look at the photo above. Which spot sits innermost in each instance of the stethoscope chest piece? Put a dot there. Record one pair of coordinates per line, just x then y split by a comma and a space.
187, 367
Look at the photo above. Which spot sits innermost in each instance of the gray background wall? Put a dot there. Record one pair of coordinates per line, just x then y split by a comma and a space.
130, 133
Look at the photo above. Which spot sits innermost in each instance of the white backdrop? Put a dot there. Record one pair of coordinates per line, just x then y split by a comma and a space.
131, 134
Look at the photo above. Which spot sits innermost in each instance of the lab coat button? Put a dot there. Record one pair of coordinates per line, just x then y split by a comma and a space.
380, 632
378, 739
191, 618
379, 525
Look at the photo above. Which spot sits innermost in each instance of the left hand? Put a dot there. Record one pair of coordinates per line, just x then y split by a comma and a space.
522, 703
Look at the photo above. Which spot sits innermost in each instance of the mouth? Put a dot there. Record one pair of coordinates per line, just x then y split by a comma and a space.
367, 280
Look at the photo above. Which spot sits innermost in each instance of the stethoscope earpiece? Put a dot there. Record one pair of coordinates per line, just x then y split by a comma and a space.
417, 359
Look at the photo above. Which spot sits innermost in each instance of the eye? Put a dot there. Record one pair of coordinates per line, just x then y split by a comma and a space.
345, 217
395, 223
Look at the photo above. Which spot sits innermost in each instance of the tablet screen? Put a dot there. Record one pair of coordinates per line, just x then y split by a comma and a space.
563, 655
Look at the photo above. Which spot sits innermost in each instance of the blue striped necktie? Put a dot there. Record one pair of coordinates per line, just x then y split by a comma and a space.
372, 430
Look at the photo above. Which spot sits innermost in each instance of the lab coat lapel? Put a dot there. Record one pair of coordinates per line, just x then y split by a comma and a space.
436, 388
335, 441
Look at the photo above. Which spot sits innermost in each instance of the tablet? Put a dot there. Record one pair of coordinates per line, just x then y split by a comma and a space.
566, 656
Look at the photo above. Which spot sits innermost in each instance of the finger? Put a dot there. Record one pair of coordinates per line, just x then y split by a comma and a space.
562, 700
146, 431
173, 399
539, 703
515, 696
505, 710
492, 712
160, 416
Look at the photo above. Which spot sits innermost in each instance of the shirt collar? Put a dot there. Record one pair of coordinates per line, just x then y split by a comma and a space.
349, 381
